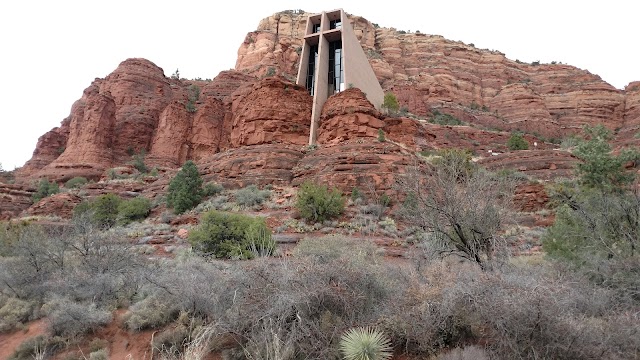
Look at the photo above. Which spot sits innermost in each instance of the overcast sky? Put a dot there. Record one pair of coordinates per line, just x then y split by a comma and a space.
50, 51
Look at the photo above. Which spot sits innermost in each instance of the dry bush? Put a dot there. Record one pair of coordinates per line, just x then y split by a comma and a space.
461, 207
70, 319
466, 353
151, 312
101, 354
13, 312
532, 313
37, 347
307, 302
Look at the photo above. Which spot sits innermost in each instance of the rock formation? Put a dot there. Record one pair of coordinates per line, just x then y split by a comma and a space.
251, 124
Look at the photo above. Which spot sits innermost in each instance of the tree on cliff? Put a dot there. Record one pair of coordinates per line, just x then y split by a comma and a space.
185, 189
391, 103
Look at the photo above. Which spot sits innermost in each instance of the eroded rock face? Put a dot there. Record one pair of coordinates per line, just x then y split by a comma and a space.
429, 71
258, 165
369, 164
346, 116
530, 197
540, 164
14, 198
271, 111
49, 147
89, 149
169, 146
58, 204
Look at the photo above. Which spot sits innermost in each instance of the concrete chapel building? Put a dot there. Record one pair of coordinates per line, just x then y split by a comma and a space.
333, 60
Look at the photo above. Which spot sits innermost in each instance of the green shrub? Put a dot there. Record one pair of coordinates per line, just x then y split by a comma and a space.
317, 203
13, 312
137, 160
212, 189
251, 195
236, 236
390, 103
517, 142
45, 188
365, 344
185, 189
600, 169
133, 210
454, 158
105, 209
444, 119
152, 312
381, 137
76, 182
102, 211
68, 318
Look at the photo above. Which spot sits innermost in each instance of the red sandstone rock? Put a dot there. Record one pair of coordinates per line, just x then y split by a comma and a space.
348, 115
271, 111
535, 163
427, 71
14, 198
365, 164
259, 165
530, 197
58, 204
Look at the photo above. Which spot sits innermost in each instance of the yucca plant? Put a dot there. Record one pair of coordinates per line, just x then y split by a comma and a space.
365, 344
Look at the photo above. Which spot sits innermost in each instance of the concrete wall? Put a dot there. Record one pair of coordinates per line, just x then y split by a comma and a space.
322, 81
357, 70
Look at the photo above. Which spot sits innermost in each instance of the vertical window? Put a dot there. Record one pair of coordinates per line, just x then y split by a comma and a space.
311, 69
336, 68
335, 24
316, 28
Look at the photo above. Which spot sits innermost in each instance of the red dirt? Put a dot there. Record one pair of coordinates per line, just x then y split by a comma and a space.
10, 341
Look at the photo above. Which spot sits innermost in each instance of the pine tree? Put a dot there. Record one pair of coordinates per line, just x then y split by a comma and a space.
185, 189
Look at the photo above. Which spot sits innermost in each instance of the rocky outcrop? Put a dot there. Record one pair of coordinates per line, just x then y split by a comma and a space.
429, 71
169, 146
88, 150
346, 116
259, 165
271, 111
48, 148
540, 164
225, 84
58, 204
530, 197
366, 164
14, 199
211, 129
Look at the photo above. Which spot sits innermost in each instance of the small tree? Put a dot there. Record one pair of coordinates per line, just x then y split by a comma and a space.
599, 168
185, 189
517, 142
317, 203
137, 160
391, 103
105, 210
45, 188
381, 136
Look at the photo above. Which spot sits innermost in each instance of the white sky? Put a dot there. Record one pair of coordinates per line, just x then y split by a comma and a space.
50, 51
